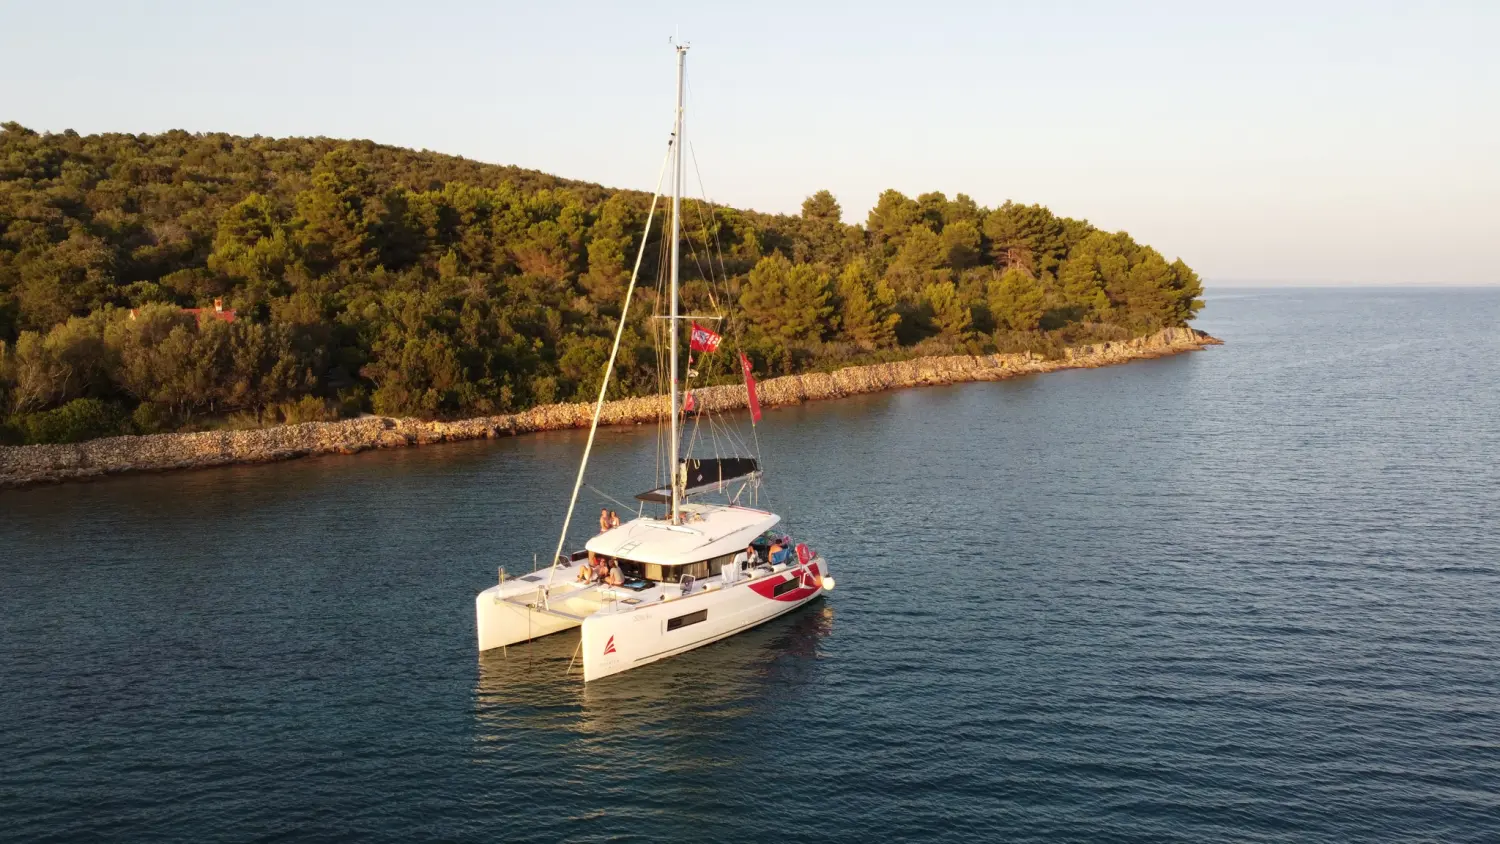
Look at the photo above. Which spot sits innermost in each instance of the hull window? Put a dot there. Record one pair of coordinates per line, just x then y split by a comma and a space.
786, 586
685, 620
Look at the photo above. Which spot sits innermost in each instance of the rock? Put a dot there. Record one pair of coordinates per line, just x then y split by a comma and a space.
33, 464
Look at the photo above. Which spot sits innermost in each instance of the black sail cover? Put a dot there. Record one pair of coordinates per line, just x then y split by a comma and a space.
706, 475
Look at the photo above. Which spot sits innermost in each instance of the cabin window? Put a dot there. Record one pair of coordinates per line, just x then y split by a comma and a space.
685, 620
786, 586
673, 574
718, 564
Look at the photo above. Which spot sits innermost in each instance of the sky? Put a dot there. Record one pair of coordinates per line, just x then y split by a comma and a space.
1263, 143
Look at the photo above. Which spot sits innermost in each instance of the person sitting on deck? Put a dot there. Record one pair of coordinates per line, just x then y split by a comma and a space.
616, 577
603, 519
600, 567
585, 574
775, 554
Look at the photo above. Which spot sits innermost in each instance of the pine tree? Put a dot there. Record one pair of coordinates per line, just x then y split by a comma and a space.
339, 213
251, 244
869, 307
892, 217
1186, 288
1029, 232
950, 319
960, 244
822, 206
1016, 301
787, 300
1082, 287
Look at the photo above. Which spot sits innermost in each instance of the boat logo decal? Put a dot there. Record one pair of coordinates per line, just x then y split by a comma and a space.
609, 647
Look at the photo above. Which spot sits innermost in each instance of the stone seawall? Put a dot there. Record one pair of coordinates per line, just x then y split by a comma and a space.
33, 464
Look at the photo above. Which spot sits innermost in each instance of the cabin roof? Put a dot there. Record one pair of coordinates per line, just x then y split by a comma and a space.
708, 530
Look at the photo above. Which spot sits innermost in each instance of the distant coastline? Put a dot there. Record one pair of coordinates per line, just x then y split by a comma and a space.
40, 464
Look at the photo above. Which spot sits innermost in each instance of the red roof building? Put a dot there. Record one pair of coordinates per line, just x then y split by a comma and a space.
219, 312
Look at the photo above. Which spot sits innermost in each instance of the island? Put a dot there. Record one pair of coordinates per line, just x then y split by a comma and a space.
193, 299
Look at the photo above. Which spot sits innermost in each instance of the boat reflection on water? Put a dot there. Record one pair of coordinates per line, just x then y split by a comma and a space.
751, 674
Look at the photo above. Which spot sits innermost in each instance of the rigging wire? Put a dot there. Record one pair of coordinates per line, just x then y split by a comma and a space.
610, 498
718, 245
718, 431
604, 384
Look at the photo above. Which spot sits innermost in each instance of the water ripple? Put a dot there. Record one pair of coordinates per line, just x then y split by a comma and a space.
1247, 595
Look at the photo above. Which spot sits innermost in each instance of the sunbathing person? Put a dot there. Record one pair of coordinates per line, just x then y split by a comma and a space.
616, 577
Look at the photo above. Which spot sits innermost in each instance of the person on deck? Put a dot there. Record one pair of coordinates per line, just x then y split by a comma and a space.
775, 552
601, 569
603, 519
614, 519
616, 577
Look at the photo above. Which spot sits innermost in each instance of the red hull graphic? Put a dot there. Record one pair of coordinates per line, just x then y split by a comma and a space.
808, 576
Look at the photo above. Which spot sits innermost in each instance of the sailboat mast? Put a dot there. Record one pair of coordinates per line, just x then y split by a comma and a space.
672, 321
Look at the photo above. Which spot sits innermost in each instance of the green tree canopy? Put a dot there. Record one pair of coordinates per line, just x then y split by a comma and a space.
868, 307
368, 277
1016, 300
788, 300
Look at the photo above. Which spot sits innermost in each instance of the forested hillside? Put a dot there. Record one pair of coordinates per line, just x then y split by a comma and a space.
370, 278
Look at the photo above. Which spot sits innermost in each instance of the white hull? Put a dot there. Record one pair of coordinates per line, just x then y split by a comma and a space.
618, 636
619, 641
507, 614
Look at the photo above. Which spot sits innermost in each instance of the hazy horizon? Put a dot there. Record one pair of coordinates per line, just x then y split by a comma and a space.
1279, 146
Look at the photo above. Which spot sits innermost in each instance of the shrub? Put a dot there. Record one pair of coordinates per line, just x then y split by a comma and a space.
353, 401
152, 418
78, 420
306, 409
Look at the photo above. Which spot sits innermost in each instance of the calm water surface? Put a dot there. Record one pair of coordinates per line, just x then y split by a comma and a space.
1251, 594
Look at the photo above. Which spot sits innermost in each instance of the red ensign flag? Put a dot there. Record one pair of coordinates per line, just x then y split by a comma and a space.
703, 340
750, 389
688, 404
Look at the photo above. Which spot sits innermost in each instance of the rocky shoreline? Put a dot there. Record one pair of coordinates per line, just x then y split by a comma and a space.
37, 464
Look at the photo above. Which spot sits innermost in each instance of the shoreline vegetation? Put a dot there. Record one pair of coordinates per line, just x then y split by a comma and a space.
39, 464
213, 283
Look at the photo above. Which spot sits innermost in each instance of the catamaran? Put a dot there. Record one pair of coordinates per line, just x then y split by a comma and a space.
698, 572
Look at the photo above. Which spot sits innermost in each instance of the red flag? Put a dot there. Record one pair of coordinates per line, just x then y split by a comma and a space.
703, 340
688, 404
750, 389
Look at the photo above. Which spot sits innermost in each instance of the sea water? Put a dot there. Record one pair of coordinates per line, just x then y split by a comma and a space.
1246, 594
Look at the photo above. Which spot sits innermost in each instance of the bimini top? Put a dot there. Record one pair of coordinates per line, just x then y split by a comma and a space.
709, 474
707, 531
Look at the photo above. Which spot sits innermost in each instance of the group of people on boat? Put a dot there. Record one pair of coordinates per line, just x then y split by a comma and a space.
771, 548
608, 519
601, 569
